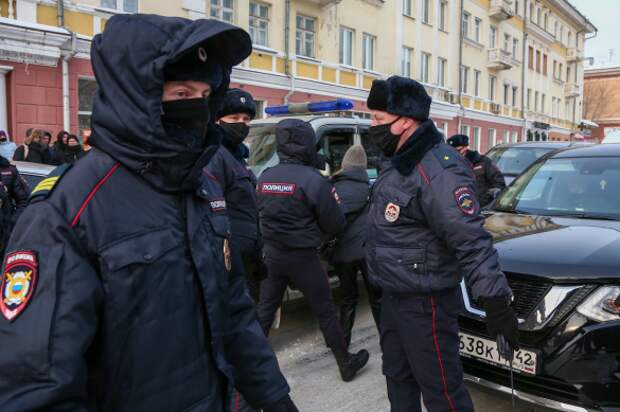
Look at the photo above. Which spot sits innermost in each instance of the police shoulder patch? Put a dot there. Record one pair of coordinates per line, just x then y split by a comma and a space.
465, 200
447, 157
47, 185
18, 282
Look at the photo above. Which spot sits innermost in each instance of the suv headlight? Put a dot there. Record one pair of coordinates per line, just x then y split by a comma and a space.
601, 306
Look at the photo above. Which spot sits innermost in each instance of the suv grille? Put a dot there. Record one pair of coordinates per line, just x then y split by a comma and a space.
527, 293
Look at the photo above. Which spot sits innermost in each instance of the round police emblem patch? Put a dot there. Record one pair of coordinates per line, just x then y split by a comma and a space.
18, 283
392, 212
242, 99
202, 54
227, 258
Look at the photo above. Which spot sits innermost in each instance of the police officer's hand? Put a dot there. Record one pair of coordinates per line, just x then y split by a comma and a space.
283, 405
502, 320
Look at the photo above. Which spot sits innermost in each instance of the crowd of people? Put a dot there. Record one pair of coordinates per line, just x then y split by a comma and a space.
125, 281
38, 147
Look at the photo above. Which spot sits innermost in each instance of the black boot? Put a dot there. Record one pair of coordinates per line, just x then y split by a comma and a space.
350, 363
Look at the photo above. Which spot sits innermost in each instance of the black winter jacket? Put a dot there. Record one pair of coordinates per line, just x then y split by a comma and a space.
135, 307
35, 153
17, 188
425, 231
297, 204
488, 176
353, 189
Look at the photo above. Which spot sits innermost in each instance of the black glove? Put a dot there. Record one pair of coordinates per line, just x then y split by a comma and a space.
502, 320
283, 405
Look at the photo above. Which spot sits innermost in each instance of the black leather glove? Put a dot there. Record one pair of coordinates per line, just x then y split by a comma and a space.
283, 405
502, 320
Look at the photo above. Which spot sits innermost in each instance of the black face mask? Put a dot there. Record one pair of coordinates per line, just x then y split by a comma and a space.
3, 139
186, 120
235, 132
383, 138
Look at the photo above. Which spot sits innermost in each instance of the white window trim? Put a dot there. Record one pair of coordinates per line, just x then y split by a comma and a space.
119, 7
350, 46
221, 10
259, 4
303, 31
368, 39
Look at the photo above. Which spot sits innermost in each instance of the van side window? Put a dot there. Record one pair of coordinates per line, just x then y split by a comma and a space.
334, 144
372, 152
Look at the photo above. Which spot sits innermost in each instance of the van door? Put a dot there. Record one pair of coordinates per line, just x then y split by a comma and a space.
333, 142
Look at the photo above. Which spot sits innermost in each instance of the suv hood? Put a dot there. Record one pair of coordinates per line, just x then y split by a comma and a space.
563, 249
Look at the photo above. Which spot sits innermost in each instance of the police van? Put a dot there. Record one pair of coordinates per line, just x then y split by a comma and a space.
336, 126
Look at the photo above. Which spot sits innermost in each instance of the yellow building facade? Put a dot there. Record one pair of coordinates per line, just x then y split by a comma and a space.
498, 70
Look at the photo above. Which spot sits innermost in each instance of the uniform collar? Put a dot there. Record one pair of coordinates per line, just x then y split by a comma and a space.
414, 149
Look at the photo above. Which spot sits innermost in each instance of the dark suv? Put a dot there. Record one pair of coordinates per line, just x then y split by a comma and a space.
557, 231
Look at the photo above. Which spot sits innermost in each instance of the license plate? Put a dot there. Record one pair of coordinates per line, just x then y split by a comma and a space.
484, 349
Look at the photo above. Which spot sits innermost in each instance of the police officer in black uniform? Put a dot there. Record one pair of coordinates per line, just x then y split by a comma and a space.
489, 179
15, 191
297, 207
229, 166
118, 283
425, 234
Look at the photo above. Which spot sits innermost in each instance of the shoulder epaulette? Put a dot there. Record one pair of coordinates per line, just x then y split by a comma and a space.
45, 187
447, 156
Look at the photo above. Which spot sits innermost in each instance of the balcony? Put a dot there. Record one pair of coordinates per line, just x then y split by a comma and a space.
501, 9
323, 3
499, 59
571, 90
574, 54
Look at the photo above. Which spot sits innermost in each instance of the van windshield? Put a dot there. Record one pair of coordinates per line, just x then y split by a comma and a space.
262, 140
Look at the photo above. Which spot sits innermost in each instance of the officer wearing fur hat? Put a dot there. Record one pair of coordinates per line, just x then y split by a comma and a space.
118, 274
229, 166
489, 179
425, 234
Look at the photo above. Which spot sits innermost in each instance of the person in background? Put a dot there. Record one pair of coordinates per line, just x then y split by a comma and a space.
7, 147
348, 257
73, 150
58, 148
489, 179
46, 140
86, 138
15, 192
31, 150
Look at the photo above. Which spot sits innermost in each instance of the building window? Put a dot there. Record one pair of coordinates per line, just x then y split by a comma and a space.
545, 64
506, 138
568, 73
492, 138
560, 71
506, 94
464, 79
538, 15
515, 94
407, 7
555, 30
259, 23
465, 130
466, 18
542, 103
477, 75
128, 6
492, 84
222, 10
528, 103
368, 52
507, 42
346, 46
532, 12
86, 93
443, 14
475, 139
517, 8
492, 37
304, 40
555, 69
535, 101
570, 39
477, 29
515, 137
530, 62
424, 67
426, 11
515, 48
561, 39
405, 67
441, 71
538, 61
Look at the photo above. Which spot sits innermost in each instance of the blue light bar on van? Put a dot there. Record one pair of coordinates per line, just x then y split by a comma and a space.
318, 107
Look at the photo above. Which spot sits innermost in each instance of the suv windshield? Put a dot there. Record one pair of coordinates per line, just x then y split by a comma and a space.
514, 160
262, 140
578, 187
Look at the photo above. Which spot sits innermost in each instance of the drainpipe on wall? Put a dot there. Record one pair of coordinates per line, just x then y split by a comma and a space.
524, 65
577, 63
287, 64
66, 104
460, 85
60, 12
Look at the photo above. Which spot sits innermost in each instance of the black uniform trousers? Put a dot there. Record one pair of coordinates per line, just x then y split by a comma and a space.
420, 344
302, 268
348, 275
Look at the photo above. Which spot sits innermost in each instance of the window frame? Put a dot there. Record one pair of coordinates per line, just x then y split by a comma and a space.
464, 73
493, 32
407, 8
477, 29
342, 50
120, 6
258, 18
221, 9
425, 67
442, 15
408, 52
441, 71
368, 39
477, 77
304, 34
426, 11
465, 20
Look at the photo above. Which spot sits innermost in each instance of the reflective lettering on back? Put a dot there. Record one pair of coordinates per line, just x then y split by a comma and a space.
280, 189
